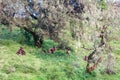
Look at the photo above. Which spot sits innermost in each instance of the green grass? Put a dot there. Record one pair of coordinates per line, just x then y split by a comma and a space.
36, 65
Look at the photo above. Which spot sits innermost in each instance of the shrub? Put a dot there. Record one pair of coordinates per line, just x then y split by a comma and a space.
103, 5
47, 44
27, 37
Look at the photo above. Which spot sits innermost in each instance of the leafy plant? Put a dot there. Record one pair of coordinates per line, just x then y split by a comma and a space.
103, 4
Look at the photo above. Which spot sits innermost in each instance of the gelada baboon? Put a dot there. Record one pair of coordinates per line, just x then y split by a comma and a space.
21, 51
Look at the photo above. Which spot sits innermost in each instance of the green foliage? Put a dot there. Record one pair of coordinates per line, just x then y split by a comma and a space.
24, 68
10, 35
103, 4
47, 44
17, 35
6, 42
26, 37
60, 53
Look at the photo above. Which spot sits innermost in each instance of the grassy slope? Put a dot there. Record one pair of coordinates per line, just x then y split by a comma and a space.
38, 66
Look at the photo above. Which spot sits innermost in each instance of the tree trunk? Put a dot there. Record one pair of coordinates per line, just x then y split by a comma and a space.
38, 40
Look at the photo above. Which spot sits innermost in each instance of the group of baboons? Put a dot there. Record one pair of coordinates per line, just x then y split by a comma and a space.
52, 50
